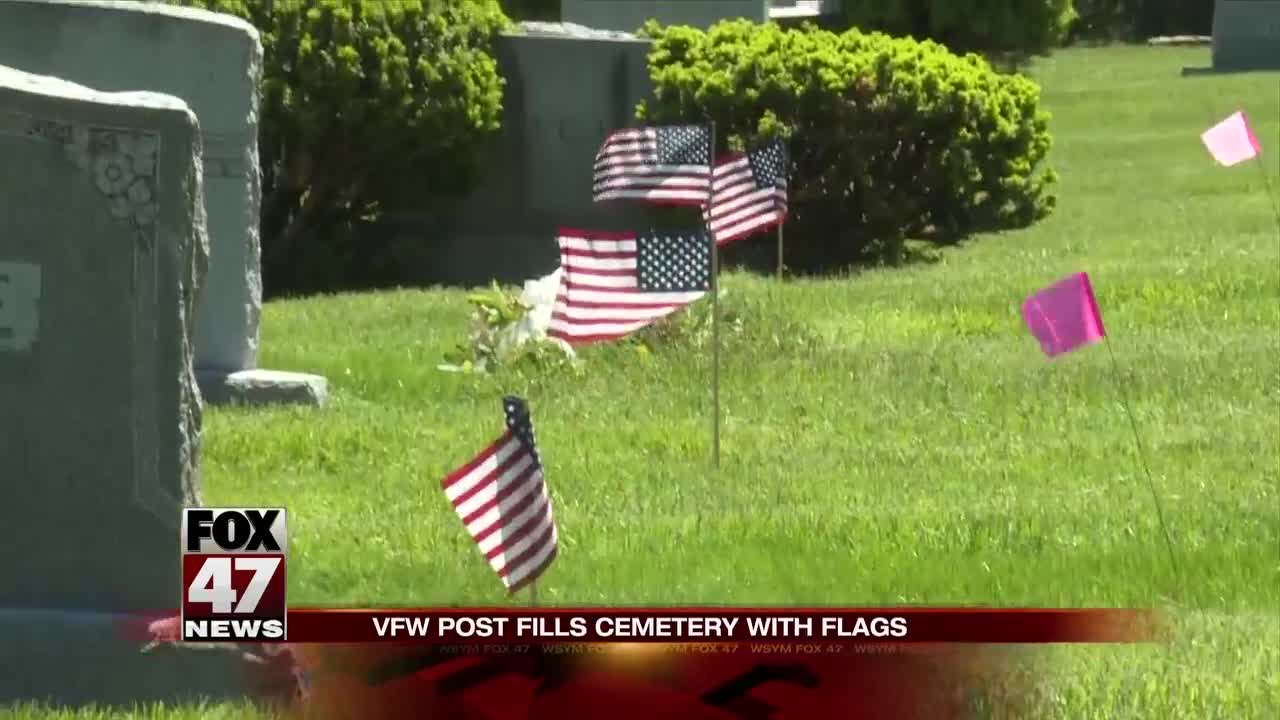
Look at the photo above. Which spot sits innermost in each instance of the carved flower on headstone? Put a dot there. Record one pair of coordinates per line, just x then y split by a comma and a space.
141, 150
112, 173
139, 192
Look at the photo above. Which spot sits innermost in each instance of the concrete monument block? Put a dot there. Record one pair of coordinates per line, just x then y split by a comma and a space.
1246, 35
102, 249
213, 62
567, 87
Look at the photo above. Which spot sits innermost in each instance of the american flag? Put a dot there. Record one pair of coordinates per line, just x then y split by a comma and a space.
612, 284
667, 165
749, 193
503, 501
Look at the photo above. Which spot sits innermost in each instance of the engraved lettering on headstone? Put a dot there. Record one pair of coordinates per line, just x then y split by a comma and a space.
19, 305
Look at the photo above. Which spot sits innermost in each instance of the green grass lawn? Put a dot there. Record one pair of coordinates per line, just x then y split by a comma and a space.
916, 449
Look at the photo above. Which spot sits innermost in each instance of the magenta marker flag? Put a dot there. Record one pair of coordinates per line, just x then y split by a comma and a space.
1231, 141
1064, 316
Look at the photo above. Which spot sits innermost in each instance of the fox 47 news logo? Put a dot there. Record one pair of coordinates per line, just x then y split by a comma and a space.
233, 582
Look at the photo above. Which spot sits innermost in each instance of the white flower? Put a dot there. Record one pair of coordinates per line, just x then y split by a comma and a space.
540, 296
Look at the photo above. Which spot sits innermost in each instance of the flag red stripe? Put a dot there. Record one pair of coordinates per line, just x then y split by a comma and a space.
513, 538
535, 573
534, 546
590, 322
484, 455
504, 518
589, 305
512, 460
516, 483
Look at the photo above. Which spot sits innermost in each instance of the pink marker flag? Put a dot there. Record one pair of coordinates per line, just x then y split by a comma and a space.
1064, 316
1231, 141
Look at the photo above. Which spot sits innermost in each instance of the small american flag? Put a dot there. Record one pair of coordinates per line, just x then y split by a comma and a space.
667, 165
612, 284
503, 501
749, 193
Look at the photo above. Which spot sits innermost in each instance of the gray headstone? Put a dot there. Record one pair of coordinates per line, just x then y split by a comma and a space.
567, 87
1246, 35
102, 248
629, 15
213, 62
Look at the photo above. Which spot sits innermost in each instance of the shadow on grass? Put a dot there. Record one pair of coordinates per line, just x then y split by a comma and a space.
1202, 71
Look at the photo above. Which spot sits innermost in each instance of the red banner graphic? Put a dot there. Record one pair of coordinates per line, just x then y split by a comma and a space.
836, 627
951, 664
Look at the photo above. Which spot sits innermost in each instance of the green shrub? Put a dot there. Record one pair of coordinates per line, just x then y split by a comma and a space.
1000, 26
889, 138
366, 107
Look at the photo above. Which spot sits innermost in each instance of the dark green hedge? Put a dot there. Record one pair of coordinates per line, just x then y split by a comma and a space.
1141, 19
367, 107
889, 138
1017, 27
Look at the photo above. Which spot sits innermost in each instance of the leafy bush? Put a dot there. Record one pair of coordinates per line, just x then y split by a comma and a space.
1004, 26
366, 107
888, 138
496, 339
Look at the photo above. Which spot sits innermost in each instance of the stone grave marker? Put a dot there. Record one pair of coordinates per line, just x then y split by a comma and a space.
567, 87
629, 15
1246, 35
213, 62
102, 249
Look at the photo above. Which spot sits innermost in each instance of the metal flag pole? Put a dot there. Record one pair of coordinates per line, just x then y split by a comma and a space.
1266, 187
1142, 455
715, 303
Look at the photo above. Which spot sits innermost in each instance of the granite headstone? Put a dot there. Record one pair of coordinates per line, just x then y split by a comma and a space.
102, 249
213, 61
1246, 35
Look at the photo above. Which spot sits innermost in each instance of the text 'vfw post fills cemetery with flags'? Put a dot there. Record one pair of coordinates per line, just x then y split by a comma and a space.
503, 501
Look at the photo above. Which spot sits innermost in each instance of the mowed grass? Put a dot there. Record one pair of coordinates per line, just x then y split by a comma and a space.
918, 449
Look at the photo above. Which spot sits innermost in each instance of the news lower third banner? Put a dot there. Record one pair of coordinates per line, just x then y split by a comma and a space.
833, 627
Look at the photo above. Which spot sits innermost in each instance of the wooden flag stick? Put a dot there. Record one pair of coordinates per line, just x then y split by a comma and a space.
715, 311
779, 251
